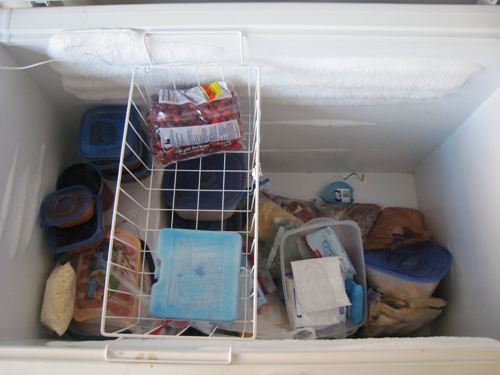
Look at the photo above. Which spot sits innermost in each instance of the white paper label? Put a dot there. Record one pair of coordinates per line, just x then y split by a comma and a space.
197, 95
199, 134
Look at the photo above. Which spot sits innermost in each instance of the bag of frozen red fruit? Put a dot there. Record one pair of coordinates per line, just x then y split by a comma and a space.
123, 283
201, 120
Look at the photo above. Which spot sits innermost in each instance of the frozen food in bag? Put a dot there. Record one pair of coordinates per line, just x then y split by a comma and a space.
201, 120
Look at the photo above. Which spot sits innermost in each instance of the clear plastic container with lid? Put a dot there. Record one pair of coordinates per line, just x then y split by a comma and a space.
67, 207
410, 272
87, 235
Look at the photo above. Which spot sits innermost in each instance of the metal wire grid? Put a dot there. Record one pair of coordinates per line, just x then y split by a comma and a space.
140, 210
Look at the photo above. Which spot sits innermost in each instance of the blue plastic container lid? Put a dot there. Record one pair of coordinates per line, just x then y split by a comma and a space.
216, 176
65, 205
198, 276
101, 134
80, 237
421, 262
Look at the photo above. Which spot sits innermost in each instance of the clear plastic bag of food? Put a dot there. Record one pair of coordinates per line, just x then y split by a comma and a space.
202, 120
124, 281
59, 298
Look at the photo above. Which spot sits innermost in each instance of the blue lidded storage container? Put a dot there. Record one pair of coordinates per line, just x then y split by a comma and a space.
81, 237
67, 207
200, 189
101, 134
410, 272
140, 169
198, 276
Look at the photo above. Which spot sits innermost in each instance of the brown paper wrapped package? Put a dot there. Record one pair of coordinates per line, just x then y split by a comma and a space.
397, 220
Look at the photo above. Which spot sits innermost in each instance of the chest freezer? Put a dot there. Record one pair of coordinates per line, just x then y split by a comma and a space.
400, 101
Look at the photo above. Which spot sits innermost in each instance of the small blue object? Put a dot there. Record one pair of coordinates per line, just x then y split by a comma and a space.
198, 276
355, 294
421, 262
338, 192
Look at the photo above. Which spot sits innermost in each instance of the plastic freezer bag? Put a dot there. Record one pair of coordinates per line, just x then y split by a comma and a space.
201, 120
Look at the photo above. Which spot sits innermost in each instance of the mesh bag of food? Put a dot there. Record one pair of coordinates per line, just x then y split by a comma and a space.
201, 120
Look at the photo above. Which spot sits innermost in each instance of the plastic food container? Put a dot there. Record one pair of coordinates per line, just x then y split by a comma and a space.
132, 162
207, 188
198, 276
83, 174
67, 207
411, 272
140, 170
233, 224
293, 248
101, 134
81, 237
91, 276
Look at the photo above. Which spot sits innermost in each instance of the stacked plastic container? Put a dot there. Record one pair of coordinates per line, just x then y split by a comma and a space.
73, 219
100, 142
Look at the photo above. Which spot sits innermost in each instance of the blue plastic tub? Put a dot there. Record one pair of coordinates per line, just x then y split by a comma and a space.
82, 237
101, 134
410, 272
203, 196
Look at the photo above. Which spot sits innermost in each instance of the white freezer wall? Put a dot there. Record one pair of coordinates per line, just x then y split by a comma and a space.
457, 191
34, 143
41, 123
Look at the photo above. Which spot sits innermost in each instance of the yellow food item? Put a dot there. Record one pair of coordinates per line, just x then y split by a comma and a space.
59, 298
268, 211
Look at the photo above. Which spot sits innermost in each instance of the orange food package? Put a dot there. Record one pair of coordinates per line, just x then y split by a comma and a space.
123, 283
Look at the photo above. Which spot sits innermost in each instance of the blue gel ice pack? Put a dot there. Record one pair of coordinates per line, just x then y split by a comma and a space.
198, 276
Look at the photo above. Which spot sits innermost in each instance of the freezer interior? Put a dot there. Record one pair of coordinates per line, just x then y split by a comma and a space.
400, 102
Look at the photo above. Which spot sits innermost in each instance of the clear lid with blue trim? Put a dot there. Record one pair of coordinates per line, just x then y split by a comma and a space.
422, 262
67, 207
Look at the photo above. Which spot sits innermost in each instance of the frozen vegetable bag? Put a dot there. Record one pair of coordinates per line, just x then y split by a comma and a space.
201, 120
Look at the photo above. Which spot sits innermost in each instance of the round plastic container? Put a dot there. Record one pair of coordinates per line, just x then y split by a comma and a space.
205, 189
81, 237
67, 207
82, 174
411, 272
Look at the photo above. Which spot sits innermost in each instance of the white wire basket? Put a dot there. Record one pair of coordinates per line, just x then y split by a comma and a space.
141, 210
